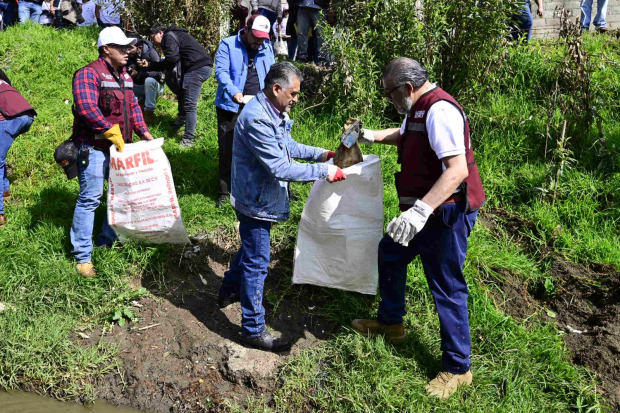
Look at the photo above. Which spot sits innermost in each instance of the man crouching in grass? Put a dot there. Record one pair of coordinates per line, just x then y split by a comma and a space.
106, 113
440, 191
262, 168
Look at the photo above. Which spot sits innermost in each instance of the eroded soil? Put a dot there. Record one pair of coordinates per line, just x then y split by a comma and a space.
585, 305
184, 353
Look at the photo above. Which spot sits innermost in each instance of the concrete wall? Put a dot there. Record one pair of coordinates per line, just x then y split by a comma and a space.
548, 26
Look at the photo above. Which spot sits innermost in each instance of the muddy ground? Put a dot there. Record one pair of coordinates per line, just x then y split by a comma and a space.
585, 306
184, 353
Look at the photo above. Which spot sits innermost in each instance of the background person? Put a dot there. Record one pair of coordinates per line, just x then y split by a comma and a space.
600, 21
440, 191
242, 63
148, 85
16, 117
29, 10
88, 13
271, 9
525, 21
108, 12
99, 122
262, 168
8, 9
196, 68
309, 14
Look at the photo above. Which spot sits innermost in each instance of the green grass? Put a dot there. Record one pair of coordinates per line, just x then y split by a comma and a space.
520, 367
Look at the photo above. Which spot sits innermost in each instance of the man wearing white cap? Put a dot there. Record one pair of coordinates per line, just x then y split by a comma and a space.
241, 65
106, 113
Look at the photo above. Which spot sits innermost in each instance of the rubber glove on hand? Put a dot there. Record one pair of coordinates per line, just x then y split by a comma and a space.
335, 174
409, 223
367, 137
115, 136
330, 155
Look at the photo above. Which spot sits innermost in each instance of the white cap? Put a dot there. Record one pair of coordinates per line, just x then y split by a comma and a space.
260, 27
114, 35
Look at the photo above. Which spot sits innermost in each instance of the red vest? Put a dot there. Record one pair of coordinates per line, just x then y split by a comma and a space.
12, 103
115, 98
420, 167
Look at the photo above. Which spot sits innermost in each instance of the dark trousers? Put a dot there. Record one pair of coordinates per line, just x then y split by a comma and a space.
525, 21
442, 246
272, 16
7, 10
188, 98
225, 136
248, 272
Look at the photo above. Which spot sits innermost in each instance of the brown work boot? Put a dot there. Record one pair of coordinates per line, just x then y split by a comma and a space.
86, 269
2, 220
149, 116
446, 383
394, 333
6, 195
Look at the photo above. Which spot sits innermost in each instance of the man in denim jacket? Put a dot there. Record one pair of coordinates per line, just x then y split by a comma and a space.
262, 167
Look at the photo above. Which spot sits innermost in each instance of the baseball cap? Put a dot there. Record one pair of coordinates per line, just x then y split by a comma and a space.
260, 26
66, 155
114, 35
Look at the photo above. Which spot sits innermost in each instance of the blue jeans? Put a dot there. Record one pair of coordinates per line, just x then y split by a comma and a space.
271, 15
149, 92
91, 178
29, 10
6, 10
307, 18
525, 23
248, 272
9, 130
442, 246
188, 98
586, 13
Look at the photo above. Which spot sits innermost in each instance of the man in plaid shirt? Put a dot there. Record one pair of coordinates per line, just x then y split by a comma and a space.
106, 113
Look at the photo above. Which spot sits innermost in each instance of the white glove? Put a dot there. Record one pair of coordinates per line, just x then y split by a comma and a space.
367, 137
409, 223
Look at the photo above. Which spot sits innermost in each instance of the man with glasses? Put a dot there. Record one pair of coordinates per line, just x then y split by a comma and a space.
189, 65
241, 65
440, 191
106, 113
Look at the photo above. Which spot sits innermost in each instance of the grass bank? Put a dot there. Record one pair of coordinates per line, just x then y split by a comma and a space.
518, 365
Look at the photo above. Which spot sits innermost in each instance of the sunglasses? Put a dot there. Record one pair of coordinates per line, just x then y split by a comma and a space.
120, 48
388, 94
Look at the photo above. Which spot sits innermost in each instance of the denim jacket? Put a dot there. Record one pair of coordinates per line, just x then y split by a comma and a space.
231, 69
262, 166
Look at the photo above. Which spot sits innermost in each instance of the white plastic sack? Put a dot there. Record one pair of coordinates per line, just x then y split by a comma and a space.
142, 201
340, 230
281, 47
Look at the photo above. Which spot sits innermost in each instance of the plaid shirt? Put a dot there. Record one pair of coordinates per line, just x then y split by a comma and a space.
86, 100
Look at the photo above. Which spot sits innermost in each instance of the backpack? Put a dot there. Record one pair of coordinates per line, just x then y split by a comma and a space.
174, 77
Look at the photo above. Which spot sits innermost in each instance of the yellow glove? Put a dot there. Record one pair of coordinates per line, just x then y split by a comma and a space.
115, 136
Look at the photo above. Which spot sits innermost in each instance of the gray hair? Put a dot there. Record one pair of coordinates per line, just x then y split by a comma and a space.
404, 70
283, 73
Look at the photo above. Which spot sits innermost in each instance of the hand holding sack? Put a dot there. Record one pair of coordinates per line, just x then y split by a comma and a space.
115, 136
403, 228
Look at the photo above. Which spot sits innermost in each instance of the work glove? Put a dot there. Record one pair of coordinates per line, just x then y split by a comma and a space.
367, 137
115, 136
335, 174
403, 228
330, 155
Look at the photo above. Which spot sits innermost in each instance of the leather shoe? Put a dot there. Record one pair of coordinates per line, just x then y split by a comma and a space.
178, 123
222, 200
224, 301
267, 341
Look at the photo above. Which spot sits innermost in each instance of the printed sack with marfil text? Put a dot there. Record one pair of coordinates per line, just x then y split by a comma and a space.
142, 201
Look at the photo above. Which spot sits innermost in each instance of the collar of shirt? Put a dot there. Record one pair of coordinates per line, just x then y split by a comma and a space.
278, 113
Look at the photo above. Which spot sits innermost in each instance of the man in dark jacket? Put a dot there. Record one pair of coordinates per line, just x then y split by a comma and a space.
147, 84
196, 66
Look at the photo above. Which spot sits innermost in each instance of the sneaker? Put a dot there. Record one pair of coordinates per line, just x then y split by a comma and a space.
446, 383
6, 195
394, 333
268, 342
187, 143
224, 301
86, 269
178, 123
2, 220
149, 116
222, 200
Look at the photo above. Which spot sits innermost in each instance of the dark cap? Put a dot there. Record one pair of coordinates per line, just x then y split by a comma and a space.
66, 155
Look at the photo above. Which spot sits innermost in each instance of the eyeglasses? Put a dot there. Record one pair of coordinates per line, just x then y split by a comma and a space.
121, 48
388, 94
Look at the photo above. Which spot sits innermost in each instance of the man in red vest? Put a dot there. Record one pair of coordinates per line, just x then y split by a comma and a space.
106, 113
439, 192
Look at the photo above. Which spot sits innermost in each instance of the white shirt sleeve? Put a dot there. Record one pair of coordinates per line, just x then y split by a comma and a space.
446, 129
